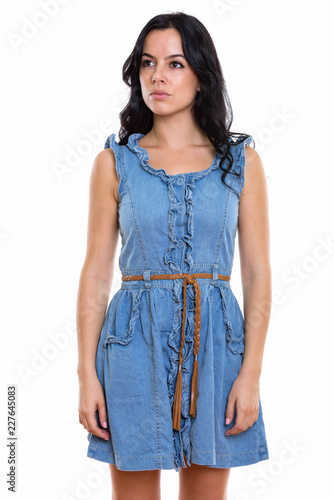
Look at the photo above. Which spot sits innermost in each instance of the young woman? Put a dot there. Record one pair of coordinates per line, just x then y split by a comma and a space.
169, 372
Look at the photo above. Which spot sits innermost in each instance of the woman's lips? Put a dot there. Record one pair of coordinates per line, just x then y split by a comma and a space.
159, 96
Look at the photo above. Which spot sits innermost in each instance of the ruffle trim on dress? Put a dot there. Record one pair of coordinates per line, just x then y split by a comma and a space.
112, 144
127, 335
238, 152
190, 223
235, 345
143, 156
174, 205
173, 358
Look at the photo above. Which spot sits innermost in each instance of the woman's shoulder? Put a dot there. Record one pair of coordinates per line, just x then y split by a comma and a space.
104, 168
251, 155
254, 168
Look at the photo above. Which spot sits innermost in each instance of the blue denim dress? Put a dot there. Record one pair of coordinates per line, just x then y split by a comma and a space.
171, 224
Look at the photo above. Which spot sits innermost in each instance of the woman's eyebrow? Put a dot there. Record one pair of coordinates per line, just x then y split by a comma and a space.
168, 57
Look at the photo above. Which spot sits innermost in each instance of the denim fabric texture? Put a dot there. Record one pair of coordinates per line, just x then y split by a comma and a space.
184, 223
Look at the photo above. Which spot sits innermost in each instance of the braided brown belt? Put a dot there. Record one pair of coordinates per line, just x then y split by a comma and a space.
191, 280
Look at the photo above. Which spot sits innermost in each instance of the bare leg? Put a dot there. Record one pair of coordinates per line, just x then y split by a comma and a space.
137, 485
200, 482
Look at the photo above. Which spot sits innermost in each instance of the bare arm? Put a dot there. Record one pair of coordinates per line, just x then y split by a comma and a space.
97, 271
244, 397
254, 250
94, 288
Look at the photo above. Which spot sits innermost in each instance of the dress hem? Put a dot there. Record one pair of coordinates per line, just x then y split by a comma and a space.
158, 462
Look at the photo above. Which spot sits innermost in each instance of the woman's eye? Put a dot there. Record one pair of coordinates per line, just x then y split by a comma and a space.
145, 61
173, 62
177, 62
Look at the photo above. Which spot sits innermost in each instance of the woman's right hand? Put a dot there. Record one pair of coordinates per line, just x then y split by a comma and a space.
91, 398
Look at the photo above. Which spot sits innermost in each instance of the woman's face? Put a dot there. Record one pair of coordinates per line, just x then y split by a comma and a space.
159, 71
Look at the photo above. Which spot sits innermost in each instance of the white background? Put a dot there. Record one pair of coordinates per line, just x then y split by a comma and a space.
58, 86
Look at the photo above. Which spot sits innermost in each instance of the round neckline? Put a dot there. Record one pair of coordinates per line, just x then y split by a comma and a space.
144, 158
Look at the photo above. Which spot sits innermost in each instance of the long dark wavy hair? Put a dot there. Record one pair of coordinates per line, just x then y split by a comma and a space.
212, 108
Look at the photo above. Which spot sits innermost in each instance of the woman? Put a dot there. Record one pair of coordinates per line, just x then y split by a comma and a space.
169, 374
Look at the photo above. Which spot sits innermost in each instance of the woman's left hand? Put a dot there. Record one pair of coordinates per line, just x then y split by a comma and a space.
244, 396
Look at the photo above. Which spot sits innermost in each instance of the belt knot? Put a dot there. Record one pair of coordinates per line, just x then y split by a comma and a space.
189, 279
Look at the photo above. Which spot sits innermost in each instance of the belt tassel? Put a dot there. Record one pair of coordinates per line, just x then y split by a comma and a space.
194, 381
177, 401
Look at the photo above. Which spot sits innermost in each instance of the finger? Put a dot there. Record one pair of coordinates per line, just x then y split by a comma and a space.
229, 410
103, 418
239, 423
95, 429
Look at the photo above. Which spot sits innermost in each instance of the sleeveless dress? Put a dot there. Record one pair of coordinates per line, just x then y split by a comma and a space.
170, 224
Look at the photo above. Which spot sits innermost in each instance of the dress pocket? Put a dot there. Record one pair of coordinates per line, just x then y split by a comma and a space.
121, 318
234, 322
